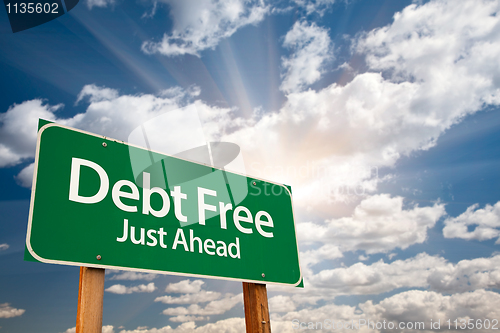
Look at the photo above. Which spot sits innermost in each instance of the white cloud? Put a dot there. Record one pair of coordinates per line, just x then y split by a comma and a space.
378, 224
18, 130
378, 277
99, 3
230, 325
183, 318
412, 306
116, 115
439, 42
193, 295
435, 64
213, 308
152, 12
391, 255
108, 114
281, 303
486, 221
422, 306
284, 324
311, 47
466, 275
25, 177
312, 257
200, 25
132, 276
185, 287
421, 271
315, 6
6, 311
97, 94
121, 289
105, 329
186, 327
4, 246
198, 297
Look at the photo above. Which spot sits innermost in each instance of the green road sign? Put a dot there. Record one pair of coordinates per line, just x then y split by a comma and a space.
100, 202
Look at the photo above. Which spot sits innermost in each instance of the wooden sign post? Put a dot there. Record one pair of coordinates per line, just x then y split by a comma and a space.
90, 299
91, 294
256, 308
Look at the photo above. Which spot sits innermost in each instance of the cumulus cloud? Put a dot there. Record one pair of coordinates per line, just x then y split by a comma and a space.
281, 303
414, 306
6, 311
99, 3
437, 42
421, 271
315, 6
378, 277
312, 257
25, 177
216, 307
132, 276
230, 325
183, 318
198, 297
108, 113
18, 130
193, 294
283, 323
105, 329
117, 115
486, 222
121, 289
200, 25
311, 50
466, 275
185, 286
112, 116
378, 224
4, 246
427, 70
186, 327
422, 306
96, 94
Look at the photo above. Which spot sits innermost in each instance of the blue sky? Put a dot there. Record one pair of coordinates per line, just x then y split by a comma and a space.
381, 115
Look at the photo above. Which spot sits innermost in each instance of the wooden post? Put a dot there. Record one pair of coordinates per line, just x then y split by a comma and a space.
256, 308
90, 297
